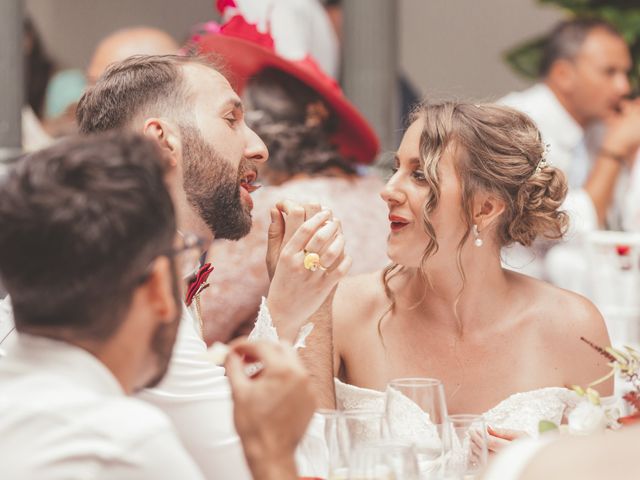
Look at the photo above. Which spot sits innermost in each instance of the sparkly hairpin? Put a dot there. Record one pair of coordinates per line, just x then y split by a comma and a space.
543, 163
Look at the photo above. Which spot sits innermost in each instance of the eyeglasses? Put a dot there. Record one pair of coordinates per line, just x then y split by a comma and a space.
186, 255
189, 255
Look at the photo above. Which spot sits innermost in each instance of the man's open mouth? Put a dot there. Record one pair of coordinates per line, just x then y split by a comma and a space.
247, 182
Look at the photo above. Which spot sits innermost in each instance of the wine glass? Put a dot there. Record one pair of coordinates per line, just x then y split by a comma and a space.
416, 413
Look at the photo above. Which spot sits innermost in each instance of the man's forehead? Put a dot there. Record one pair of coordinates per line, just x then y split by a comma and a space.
203, 80
603, 44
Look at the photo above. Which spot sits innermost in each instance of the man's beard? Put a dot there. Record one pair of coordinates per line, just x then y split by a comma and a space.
164, 337
213, 188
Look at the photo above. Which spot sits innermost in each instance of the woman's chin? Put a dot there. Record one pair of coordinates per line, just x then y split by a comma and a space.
399, 257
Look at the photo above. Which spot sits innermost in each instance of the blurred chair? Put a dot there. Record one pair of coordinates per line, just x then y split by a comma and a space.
613, 276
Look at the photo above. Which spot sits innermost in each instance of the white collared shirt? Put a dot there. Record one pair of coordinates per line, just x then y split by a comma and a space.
63, 415
571, 148
196, 396
567, 140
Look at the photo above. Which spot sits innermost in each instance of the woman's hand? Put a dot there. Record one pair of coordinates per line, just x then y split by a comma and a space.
296, 292
502, 437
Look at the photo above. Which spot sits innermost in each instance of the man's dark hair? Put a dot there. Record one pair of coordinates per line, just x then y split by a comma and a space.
150, 84
80, 222
566, 39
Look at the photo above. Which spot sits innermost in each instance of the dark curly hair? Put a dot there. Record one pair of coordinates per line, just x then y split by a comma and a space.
294, 123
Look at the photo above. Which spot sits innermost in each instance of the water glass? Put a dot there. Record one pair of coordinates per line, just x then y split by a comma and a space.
416, 413
384, 460
358, 427
469, 452
337, 459
346, 431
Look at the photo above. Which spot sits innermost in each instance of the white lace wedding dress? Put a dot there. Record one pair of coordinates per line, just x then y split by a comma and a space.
521, 411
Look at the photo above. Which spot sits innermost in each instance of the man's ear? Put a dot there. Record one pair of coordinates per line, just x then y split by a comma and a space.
167, 137
159, 290
562, 74
487, 207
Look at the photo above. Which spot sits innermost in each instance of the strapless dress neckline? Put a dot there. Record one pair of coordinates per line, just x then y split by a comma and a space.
520, 411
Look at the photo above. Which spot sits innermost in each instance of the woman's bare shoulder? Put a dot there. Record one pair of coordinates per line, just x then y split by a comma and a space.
561, 320
358, 298
561, 310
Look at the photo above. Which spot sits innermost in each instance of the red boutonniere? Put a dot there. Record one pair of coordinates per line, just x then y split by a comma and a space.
199, 283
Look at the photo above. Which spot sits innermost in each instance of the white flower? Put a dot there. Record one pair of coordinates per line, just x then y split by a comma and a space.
587, 418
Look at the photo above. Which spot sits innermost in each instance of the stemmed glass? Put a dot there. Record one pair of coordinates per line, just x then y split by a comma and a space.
416, 413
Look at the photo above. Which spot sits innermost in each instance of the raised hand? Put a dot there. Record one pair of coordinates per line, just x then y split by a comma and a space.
297, 292
277, 229
622, 136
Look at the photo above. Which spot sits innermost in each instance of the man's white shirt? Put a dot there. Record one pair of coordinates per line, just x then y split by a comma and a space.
63, 415
571, 148
195, 395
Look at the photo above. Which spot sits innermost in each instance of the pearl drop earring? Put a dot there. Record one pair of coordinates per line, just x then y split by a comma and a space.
476, 235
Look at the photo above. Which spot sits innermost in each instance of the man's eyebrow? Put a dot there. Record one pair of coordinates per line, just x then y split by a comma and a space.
235, 103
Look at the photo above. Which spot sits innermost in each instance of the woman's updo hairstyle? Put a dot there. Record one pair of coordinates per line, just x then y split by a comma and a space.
294, 123
498, 150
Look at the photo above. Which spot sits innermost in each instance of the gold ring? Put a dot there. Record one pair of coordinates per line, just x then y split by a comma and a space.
312, 261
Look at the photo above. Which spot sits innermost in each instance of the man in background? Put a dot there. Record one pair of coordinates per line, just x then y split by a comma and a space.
593, 130
127, 42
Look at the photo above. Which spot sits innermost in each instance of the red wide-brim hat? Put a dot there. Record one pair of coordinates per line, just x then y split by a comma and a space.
246, 52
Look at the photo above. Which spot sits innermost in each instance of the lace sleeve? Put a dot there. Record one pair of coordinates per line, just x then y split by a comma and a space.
7, 328
265, 330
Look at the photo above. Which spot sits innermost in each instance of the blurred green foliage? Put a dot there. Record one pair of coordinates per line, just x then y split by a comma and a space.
623, 14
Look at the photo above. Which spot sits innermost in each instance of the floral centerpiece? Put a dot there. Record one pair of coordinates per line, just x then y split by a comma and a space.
626, 364
591, 415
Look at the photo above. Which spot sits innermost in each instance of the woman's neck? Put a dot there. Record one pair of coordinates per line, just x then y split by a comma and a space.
443, 296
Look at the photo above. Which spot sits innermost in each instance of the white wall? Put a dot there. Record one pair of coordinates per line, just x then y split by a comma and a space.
72, 28
455, 47
447, 47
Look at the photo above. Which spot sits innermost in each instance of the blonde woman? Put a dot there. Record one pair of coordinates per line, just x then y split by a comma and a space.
469, 180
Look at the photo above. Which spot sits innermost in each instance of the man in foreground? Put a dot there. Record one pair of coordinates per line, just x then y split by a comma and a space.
90, 256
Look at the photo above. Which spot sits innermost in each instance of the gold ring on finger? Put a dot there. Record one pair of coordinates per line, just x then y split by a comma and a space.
312, 261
